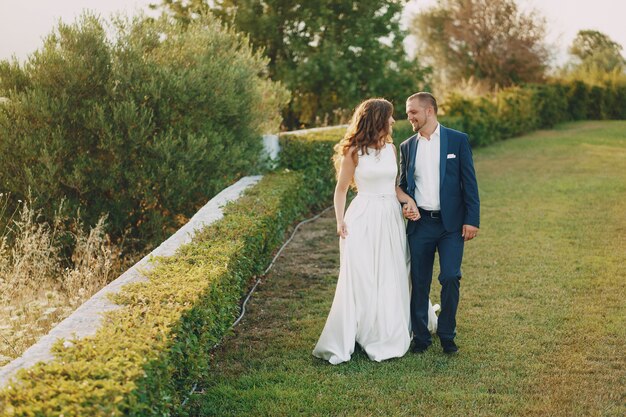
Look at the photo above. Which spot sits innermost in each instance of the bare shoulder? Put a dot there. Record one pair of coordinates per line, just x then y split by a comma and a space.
351, 153
349, 158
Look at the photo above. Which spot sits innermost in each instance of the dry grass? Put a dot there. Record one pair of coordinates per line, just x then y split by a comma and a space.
40, 287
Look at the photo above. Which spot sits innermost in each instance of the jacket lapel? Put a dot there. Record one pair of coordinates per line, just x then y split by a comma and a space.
410, 174
443, 138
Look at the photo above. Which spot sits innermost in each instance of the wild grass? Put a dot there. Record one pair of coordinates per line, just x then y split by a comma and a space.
40, 284
542, 319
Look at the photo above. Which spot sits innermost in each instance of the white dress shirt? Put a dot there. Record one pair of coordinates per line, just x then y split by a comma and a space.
427, 171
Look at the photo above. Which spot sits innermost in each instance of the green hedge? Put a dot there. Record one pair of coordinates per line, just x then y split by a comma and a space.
311, 154
148, 354
515, 110
487, 119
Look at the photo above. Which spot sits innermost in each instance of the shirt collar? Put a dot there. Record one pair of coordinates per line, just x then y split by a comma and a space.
434, 136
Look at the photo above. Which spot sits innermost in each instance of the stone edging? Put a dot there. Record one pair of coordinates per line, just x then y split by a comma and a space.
85, 320
311, 130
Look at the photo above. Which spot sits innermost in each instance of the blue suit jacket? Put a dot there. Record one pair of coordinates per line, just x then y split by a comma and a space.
458, 190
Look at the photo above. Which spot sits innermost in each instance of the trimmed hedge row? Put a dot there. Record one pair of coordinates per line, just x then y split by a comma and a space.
148, 354
515, 110
486, 119
311, 154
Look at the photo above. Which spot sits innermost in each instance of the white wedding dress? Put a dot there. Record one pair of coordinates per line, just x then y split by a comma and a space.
371, 303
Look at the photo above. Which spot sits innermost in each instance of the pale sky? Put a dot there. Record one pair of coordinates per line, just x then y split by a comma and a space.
24, 23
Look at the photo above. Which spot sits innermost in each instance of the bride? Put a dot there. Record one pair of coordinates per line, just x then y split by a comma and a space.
371, 303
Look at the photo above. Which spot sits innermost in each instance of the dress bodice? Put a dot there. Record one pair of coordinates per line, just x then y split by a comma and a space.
376, 172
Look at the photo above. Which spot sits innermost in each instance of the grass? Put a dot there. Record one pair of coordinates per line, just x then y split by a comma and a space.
38, 286
542, 319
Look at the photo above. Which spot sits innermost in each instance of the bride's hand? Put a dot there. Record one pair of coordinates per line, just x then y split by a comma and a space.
342, 230
410, 211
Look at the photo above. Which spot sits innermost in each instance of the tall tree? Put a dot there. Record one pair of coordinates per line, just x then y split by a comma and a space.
491, 41
329, 53
596, 50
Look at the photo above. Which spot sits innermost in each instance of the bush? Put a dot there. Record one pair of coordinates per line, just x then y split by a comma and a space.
478, 117
144, 128
147, 355
516, 110
617, 106
578, 100
550, 102
311, 154
402, 130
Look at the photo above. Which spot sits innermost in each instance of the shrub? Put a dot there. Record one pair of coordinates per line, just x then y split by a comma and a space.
402, 130
596, 109
515, 110
578, 100
475, 116
311, 154
551, 104
148, 354
144, 128
617, 106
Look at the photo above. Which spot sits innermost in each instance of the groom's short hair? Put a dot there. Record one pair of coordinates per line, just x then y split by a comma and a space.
425, 97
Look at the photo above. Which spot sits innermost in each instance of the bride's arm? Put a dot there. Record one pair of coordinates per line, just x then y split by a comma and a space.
409, 207
346, 173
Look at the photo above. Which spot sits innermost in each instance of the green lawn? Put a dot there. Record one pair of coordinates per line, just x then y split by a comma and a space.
542, 319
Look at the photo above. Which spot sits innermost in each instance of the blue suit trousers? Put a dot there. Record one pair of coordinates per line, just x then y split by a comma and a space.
429, 236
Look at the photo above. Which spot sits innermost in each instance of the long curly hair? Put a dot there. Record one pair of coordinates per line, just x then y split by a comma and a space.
369, 128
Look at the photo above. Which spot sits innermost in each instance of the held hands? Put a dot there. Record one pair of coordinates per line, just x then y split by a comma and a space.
410, 211
342, 230
469, 232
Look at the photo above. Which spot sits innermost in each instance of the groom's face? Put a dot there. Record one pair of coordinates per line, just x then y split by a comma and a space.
417, 114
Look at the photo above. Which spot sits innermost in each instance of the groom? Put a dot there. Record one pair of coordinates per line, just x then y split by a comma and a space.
437, 171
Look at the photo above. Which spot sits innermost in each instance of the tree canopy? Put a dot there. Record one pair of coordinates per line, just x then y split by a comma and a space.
490, 41
594, 49
330, 53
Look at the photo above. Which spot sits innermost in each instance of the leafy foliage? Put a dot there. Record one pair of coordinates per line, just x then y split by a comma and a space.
515, 110
596, 60
330, 54
311, 154
491, 41
144, 128
594, 48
